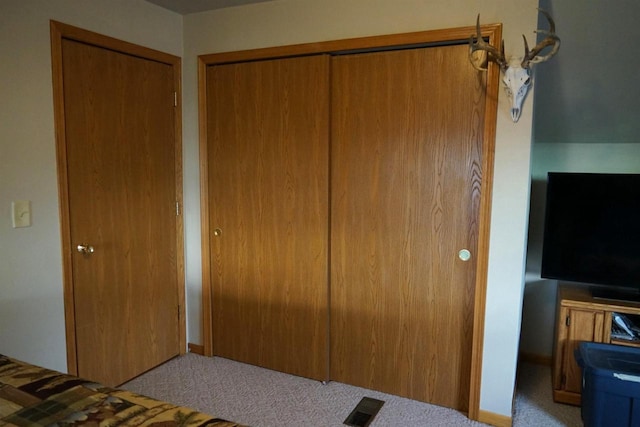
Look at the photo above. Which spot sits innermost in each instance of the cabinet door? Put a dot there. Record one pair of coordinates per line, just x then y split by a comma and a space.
268, 157
582, 325
406, 174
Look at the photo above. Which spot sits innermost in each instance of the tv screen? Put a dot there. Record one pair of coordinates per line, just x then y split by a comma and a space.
592, 229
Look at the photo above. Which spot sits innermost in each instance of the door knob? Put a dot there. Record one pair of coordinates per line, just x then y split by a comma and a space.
85, 249
464, 254
217, 232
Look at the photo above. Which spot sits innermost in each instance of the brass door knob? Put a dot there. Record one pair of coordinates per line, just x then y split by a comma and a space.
85, 249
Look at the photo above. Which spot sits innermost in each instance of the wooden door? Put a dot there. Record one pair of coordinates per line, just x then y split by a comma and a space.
268, 202
120, 140
406, 177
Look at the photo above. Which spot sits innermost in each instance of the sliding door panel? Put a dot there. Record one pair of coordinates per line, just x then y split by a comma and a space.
268, 156
406, 136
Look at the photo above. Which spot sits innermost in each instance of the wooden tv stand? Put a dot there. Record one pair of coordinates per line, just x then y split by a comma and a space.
581, 317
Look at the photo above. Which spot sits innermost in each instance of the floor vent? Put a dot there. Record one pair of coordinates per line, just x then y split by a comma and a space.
364, 412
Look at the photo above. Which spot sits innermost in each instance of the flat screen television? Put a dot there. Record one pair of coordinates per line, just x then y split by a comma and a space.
592, 232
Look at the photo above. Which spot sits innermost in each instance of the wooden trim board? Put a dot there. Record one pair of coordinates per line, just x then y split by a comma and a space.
196, 349
494, 419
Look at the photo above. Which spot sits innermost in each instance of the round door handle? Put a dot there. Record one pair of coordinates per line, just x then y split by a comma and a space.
464, 255
217, 232
85, 249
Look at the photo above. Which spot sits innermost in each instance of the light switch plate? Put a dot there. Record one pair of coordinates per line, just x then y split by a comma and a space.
21, 213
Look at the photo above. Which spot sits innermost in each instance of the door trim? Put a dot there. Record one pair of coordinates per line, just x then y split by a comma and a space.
394, 41
60, 32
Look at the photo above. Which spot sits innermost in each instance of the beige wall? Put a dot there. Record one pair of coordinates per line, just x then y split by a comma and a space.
282, 22
31, 296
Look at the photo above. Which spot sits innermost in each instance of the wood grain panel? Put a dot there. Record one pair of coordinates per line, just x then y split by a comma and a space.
561, 334
268, 195
407, 131
393, 41
581, 317
121, 167
585, 325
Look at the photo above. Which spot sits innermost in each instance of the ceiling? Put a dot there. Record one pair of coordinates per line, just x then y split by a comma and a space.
185, 7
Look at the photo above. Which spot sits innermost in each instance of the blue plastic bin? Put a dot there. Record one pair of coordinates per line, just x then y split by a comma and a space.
610, 384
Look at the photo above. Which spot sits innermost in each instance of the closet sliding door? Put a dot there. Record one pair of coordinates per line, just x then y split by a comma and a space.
268, 185
407, 130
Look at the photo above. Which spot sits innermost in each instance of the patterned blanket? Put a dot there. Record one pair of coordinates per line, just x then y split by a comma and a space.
34, 396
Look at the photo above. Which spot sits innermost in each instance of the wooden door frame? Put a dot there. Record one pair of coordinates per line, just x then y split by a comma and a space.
60, 32
423, 38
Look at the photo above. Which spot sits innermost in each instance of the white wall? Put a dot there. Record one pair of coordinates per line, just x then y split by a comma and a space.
284, 22
31, 293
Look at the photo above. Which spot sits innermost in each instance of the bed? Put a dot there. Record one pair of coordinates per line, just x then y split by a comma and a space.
35, 396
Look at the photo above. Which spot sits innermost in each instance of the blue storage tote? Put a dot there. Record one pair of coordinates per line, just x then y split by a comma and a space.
610, 384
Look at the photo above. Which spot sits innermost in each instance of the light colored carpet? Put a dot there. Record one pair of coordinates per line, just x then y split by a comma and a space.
534, 402
263, 398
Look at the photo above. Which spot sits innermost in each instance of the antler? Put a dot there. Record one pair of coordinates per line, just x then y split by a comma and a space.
492, 53
532, 57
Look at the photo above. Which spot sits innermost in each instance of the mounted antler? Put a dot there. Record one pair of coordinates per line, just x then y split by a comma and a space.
532, 57
493, 54
516, 74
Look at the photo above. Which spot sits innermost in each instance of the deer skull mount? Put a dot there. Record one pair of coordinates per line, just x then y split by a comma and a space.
517, 71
